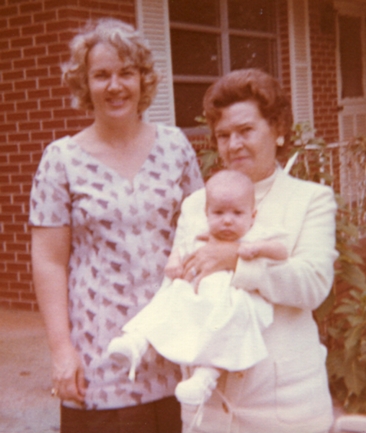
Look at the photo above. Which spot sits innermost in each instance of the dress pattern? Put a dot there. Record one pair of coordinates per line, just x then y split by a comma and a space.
122, 233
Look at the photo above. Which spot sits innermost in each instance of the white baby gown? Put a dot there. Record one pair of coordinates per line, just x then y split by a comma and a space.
221, 326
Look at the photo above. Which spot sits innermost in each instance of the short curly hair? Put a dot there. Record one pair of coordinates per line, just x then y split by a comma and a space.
250, 84
131, 48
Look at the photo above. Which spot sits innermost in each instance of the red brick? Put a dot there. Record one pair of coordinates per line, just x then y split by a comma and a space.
57, 26
9, 33
6, 12
23, 219
35, 29
18, 137
15, 117
40, 115
29, 126
23, 257
24, 63
46, 39
38, 72
25, 84
19, 21
17, 267
67, 35
4, 276
8, 107
14, 189
27, 105
34, 51
31, 7
22, 42
44, 16
14, 96
22, 287
19, 159
57, 48
10, 55
42, 135
8, 148
14, 75
7, 257
29, 168
48, 60
8, 127
16, 247
38, 94
72, 13
49, 82
30, 147
4, 45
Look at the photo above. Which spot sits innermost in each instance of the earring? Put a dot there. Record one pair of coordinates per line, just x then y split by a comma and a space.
280, 141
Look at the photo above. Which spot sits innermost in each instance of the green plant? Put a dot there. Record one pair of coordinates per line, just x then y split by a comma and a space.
342, 316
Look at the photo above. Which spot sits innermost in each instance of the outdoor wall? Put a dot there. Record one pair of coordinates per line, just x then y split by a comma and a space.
324, 69
34, 110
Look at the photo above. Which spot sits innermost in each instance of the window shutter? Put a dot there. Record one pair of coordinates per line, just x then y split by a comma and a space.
300, 61
153, 23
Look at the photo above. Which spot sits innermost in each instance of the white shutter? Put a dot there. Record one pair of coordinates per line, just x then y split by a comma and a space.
300, 61
153, 23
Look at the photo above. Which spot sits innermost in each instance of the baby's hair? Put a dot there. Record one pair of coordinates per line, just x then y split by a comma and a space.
230, 179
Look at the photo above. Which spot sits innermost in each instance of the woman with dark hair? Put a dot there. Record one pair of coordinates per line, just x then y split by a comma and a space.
104, 207
250, 120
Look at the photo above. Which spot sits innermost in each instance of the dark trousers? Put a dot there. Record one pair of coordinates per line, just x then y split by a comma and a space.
162, 416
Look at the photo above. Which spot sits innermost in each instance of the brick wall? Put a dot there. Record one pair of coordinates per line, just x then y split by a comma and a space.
34, 110
324, 69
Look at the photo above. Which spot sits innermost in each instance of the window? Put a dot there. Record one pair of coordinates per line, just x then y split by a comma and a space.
212, 37
351, 59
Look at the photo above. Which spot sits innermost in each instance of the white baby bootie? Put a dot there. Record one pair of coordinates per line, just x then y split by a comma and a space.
128, 350
198, 388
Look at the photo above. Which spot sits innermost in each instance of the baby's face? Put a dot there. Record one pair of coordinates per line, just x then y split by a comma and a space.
230, 213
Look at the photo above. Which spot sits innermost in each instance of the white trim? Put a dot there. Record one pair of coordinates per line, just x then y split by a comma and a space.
152, 17
300, 61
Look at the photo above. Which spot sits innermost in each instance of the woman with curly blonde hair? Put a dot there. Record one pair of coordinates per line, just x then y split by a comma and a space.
104, 207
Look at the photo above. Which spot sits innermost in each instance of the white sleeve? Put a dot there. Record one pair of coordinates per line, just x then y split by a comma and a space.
305, 278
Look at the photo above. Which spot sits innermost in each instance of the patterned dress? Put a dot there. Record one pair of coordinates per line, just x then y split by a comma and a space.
122, 234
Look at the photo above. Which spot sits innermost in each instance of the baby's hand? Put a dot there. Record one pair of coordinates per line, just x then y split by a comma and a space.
248, 251
174, 267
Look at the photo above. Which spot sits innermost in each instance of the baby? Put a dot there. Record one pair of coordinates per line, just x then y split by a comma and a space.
217, 326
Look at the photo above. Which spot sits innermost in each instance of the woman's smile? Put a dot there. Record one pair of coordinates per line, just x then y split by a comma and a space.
115, 88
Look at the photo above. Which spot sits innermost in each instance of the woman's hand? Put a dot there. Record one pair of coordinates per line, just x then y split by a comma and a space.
212, 257
68, 375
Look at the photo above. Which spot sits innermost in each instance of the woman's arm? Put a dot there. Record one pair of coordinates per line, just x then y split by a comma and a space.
269, 249
305, 278
50, 257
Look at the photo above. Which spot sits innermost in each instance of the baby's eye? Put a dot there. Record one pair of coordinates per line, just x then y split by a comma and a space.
238, 212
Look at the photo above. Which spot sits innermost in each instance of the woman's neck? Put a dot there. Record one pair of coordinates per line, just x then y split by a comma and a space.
117, 133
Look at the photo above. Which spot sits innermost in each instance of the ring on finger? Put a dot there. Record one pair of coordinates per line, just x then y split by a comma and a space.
194, 272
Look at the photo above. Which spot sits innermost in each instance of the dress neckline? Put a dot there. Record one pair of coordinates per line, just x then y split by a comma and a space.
111, 169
